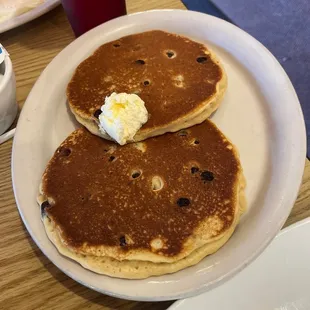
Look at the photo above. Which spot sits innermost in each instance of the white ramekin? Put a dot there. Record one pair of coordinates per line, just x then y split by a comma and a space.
8, 105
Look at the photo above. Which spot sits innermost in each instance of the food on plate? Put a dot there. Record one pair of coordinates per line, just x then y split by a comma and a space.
121, 117
11, 8
180, 81
146, 208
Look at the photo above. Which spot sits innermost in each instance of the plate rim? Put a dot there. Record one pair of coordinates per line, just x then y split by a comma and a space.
28, 16
284, 231
238, 268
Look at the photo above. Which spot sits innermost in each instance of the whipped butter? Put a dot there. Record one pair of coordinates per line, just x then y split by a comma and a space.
122, 116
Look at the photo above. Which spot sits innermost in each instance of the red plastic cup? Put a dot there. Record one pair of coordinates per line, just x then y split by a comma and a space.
84, 15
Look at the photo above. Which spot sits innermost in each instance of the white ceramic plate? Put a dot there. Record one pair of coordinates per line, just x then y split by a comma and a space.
28, 16
279, 279
260, 114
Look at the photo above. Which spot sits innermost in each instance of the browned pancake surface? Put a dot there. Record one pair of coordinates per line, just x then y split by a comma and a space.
172, 74
102, 192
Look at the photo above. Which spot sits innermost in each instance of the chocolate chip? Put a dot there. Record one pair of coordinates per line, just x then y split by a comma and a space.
207, 175
135, 175
116, 45
202, 59
146, 82
196, 142
122, 241
64, 151
194, 170
183, 202
170, 54
140, 62
45, 204
111, 158
97, 113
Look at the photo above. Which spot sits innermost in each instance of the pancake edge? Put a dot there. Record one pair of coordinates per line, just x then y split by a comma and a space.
139, 269
197, 116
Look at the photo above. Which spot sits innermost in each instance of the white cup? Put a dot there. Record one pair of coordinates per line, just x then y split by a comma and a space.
8, 105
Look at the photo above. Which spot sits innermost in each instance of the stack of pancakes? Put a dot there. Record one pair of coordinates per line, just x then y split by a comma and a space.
159, 204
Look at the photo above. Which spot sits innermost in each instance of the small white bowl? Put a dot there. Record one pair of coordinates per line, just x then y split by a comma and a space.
8, 105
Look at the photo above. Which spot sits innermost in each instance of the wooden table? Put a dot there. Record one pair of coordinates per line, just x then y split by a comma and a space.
28, 280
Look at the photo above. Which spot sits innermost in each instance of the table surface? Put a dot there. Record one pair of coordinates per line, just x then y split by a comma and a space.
28, 280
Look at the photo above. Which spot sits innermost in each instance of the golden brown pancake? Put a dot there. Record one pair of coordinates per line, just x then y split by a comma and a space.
134, 269
180, 81
166, 202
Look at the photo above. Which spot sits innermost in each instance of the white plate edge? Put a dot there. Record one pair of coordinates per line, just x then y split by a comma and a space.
288, 229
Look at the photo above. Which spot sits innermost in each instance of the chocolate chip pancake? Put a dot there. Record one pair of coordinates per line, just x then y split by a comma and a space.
134, 269
163, 204
180, 81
